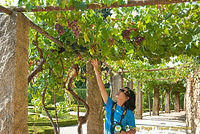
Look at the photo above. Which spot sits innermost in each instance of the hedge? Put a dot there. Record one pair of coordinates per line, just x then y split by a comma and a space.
40, 130
45, 122
43, 126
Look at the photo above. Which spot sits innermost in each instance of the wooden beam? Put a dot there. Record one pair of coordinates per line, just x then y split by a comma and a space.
5, 10
157, 69
103, 6
34, 26
161, 79
44, 33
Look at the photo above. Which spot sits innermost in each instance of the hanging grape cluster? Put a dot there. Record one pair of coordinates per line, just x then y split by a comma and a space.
126, 34
138, 40
59, 29
75, 29
66, 37
135, 40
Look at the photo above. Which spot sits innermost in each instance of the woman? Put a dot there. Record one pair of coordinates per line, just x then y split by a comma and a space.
119, 116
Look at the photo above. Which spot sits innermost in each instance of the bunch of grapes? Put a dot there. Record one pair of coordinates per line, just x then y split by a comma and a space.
133, 29
59, 29
75, 29
111, 41
126, 34
138, 40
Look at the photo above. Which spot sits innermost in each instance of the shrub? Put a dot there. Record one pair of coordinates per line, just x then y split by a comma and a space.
40, 130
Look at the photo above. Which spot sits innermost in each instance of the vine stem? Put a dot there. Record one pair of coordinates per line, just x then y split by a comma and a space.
42, 61
56, 115
33, 26
5, 10
81, 119
46, 111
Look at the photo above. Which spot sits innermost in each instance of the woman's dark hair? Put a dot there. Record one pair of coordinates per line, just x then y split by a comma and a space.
130, 103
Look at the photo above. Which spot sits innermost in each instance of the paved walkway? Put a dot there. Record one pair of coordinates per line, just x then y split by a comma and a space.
173, 123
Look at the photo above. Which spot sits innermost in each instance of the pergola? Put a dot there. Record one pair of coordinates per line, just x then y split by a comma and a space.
20, 10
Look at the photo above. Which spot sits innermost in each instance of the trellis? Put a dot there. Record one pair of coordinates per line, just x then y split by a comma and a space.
130, 3
89, 6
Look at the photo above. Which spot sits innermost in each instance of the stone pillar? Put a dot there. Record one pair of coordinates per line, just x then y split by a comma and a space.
149, 97
14, 43
111, 83
156, 101
130, 84
95, 124
167, 101
117, 83
185, 100
193, 102
138, 110
177, 102
188, 104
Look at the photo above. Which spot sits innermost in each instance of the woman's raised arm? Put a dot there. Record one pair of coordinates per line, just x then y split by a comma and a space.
101, 85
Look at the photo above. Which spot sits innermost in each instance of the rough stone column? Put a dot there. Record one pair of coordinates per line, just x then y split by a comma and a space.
193, 102
188, 105
167, 101
117, 83
14, 42
185, 100
156, 101
95, 124
111, 83
138, 110
130, 84
177, 102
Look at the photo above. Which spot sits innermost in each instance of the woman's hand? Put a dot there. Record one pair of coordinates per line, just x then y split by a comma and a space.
95, 64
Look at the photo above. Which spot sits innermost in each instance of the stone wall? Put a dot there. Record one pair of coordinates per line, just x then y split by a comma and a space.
192, 103
13, 74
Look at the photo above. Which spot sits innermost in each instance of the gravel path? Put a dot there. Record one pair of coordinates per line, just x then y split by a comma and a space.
173, 123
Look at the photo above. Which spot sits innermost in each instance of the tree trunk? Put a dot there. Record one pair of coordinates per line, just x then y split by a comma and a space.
95, 124
130, 84
156, 101
167, 102
117, 83
177, 102
138, 112
149, 104
161, 104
